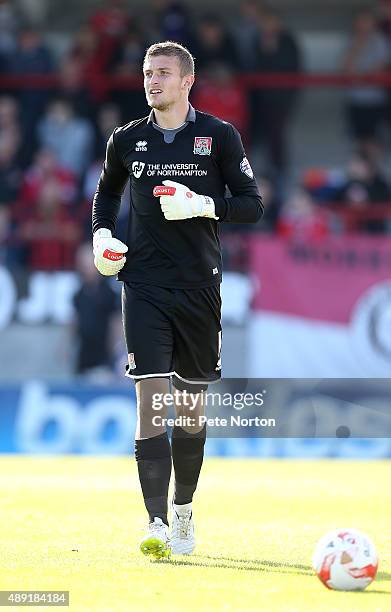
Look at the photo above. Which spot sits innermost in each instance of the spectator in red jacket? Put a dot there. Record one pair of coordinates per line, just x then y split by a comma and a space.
49, 231
219, 93
111, 21
47, 167
301, 219
94, 56
109, 24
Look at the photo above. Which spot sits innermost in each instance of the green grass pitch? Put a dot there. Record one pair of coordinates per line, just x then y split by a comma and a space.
74, 523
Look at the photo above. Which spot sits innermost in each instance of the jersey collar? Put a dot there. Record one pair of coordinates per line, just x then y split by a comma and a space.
191, 115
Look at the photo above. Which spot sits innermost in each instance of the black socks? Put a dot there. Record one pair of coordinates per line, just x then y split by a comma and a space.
187, 455
153, 457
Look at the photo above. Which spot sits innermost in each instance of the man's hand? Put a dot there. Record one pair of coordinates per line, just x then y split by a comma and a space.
178, 202
108, 252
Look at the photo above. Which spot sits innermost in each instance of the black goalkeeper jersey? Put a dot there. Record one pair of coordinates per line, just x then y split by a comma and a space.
207, 156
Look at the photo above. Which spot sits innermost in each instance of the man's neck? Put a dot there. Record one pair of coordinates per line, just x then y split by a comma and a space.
172, 118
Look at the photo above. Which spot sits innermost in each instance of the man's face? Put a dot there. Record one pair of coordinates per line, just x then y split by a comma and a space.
164, 86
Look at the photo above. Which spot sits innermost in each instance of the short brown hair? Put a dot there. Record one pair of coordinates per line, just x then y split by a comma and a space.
173, 49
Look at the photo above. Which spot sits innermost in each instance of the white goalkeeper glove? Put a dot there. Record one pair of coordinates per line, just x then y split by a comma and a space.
108, 252
178, 202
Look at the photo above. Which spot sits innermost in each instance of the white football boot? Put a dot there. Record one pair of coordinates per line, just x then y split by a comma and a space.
182, 530
157, 542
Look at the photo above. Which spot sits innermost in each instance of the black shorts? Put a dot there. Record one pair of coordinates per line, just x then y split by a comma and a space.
172, 332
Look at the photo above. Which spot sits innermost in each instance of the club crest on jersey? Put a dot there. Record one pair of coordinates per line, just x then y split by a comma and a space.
141, 145
137, 168
246, 168
202, 145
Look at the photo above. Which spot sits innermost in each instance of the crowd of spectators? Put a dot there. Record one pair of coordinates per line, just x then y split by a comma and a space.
53, 131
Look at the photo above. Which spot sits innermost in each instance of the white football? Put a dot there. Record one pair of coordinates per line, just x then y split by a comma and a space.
345, 560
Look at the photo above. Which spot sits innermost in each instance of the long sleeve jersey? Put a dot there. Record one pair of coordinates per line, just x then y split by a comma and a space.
207, 156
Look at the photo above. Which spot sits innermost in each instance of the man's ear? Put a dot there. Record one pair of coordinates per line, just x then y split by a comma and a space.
188, 82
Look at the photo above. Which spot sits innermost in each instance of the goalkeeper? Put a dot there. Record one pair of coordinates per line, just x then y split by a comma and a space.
179, 162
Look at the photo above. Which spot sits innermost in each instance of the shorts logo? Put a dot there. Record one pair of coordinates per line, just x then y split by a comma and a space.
141, 145
137, 168
246, 168
202, 145
132, 362
215, 271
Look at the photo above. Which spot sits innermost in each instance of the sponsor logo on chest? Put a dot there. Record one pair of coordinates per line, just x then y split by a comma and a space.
172, 170
137, 168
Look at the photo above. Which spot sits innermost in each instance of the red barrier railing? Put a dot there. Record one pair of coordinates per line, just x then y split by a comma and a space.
353, 218
267, 81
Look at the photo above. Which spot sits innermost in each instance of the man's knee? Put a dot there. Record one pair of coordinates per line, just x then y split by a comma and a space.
151, 391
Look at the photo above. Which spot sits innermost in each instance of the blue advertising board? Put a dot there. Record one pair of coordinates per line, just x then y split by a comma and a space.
42, 418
